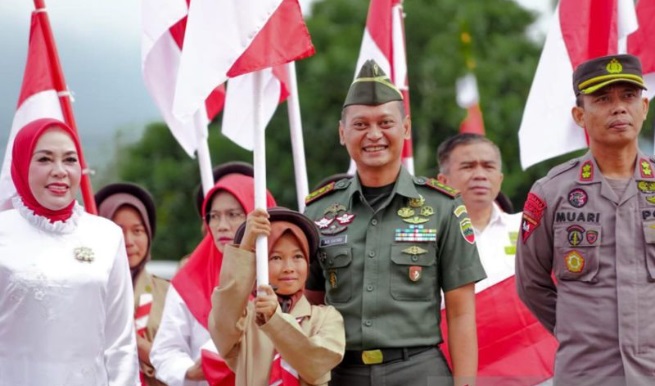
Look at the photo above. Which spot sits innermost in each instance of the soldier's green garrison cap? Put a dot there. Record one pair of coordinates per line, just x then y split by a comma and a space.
372, 87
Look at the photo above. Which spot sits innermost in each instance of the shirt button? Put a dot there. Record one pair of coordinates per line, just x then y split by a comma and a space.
414, 258
371, 254
374, 222
369, 288
368, 323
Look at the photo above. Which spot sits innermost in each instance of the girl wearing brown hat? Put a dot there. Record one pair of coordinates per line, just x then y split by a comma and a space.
277, 337
132, 208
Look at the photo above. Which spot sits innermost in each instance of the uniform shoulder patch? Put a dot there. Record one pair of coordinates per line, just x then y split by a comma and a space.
433, 183
326, 189
561, 168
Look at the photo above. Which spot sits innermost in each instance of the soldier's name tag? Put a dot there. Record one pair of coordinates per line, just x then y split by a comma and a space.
335, 240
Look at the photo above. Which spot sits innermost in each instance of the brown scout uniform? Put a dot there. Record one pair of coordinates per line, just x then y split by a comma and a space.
147, 283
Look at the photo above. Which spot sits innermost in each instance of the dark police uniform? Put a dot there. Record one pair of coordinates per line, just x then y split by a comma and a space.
384, 269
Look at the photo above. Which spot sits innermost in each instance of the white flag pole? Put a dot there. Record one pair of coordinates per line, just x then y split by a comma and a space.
297, 142
259, 162
204, 159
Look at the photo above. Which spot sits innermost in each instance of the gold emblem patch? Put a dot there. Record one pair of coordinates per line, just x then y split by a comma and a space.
574, 262
614, 67
415, 250
417, 202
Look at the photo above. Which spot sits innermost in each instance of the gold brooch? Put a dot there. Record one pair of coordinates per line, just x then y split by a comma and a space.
84, 254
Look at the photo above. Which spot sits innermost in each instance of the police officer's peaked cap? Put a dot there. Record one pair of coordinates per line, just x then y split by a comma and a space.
372, 87
597, 73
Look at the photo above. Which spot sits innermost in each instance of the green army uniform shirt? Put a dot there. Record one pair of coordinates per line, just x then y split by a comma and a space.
383, 270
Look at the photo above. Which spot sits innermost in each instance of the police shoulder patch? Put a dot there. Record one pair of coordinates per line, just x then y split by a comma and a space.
433, 183
326, 189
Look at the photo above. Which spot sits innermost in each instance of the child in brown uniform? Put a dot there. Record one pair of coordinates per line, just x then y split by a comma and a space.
249, 332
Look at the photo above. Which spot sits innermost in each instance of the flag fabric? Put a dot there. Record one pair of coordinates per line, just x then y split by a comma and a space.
469, 99
231, 38
642, 41
214, 367
141, 316
579, 32
38, 99
384, 42
282, 374
164, 26
513, 347
240, 110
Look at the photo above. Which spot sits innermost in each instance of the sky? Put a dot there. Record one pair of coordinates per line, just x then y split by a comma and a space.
99, 44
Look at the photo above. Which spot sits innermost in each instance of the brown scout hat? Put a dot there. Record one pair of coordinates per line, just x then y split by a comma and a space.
372, 87
279, 213
234, 167
597, 73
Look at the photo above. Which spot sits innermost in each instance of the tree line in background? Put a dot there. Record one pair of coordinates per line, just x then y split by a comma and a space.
506, 59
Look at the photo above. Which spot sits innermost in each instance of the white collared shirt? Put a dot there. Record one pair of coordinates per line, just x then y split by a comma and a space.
497, 246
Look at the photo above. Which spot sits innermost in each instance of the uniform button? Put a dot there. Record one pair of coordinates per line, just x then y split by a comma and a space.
414, 258
369, 288
368, 323
371, 254
374, 222
330, 262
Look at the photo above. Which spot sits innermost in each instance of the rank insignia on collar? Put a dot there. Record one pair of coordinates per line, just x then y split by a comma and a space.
405, 212
587, 171
574, 262
417, 202
415, 273
415, 250
645, 169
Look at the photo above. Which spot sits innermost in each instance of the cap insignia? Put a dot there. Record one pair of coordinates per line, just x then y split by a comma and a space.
614, 67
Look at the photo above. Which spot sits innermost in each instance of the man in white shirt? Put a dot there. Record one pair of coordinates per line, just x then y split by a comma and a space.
513, 348
471, 163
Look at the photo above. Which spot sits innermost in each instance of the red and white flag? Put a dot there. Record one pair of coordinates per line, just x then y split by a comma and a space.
384, 42
468, 98
225, 39
579, 32
282, 374
239, 112
513, 347
164, 25
38, 99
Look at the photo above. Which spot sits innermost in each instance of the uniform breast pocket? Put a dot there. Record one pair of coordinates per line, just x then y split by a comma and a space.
577, 250
649, 238
413, 272
338, 274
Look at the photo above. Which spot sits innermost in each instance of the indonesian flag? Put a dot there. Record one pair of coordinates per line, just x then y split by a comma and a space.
384, 42
579, 32
513, 347
214, 367
38, 99
225, 39
164, 25
469, 99
239, 114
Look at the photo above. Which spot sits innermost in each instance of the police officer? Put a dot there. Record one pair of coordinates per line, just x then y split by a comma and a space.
589, 226
389, 244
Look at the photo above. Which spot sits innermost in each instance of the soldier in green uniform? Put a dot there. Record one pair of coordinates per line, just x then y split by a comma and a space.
390, 243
